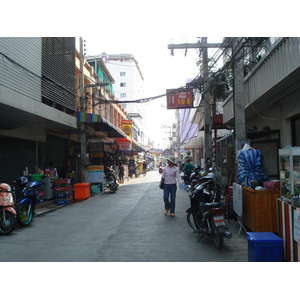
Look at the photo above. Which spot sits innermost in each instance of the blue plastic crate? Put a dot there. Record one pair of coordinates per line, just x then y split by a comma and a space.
264, 247
60, 202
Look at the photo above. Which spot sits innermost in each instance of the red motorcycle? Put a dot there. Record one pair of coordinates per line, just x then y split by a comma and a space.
7, 210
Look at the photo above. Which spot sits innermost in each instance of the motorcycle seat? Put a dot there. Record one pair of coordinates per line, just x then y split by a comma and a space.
213, 204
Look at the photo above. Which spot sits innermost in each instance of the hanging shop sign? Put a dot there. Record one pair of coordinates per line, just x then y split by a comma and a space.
179, 98
124, 144
127, 127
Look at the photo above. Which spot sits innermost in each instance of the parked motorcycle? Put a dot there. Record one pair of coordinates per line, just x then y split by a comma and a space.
31, 191
7, 211
160, 169
195, 177
206, 214
111, 180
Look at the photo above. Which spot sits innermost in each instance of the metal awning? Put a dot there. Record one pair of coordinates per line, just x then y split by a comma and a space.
100, 124
136, 146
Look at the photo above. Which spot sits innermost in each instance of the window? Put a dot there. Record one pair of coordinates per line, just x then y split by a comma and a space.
122, 73
123, 84
123, 95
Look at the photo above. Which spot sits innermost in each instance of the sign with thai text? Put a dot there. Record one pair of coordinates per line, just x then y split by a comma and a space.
124, 144
95, 173
179, 98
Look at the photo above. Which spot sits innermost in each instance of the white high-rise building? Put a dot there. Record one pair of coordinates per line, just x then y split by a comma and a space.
129, 85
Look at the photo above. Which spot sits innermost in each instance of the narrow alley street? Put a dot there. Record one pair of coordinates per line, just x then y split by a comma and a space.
128, 226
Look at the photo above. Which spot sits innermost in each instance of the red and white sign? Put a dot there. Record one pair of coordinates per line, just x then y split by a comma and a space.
124, 144
179, 98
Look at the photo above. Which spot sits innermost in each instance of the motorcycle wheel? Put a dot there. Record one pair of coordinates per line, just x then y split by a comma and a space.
191, 221
217, 236
23, 216
8, 226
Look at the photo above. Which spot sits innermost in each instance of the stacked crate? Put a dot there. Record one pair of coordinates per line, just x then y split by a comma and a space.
63, 191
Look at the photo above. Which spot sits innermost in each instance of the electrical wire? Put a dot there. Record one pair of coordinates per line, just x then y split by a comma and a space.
217, 55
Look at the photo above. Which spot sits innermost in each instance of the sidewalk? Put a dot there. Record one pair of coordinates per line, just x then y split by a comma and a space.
46, 207
49, 205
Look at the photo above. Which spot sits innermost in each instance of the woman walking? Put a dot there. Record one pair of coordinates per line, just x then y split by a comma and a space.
170, 175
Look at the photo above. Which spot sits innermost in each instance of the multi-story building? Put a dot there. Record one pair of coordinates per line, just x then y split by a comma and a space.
129, 86
41, 106
37, 100
271, 93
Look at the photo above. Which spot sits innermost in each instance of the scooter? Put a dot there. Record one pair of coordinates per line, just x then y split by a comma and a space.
7, 211
111, 180
31, 191
206, 214
160, 169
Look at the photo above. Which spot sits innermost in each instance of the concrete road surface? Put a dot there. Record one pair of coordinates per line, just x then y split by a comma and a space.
128, 226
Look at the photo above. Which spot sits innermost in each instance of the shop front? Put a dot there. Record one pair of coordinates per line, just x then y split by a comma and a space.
104, 141
266, 205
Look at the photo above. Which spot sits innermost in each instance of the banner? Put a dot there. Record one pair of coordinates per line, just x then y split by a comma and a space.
180, 98
124, 144
127, 127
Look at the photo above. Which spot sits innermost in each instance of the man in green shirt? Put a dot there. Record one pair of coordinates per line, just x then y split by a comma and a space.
188, 169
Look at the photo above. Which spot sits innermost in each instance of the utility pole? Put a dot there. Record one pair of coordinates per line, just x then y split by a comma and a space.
238, 94
238, 91
207, 109
207, 114
82, 109
178, 136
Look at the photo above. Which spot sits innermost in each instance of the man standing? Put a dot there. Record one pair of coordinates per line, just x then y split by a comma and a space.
188, 169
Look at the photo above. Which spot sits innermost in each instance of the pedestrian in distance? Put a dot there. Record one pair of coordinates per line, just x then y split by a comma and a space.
170, 175
188, 169
145, 165
121, 172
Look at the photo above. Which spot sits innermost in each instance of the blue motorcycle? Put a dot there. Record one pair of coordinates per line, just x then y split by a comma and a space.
30, 194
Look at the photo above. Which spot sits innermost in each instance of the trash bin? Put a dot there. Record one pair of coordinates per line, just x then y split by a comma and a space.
264, 247
81, 191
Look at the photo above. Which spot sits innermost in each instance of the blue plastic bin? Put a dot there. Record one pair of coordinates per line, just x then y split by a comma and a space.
264, 247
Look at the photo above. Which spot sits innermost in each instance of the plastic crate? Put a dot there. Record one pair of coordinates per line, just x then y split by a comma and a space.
62, 195
61, 181
36, 177
39, 201
62, 188
94, 189
61, 201
264, 247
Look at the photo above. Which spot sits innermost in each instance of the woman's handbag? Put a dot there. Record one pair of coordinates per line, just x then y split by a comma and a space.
162, 183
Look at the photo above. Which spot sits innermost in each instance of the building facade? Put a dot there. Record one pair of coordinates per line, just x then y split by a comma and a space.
37, 98
42, 112
129, 86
